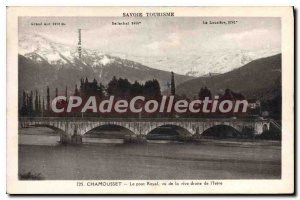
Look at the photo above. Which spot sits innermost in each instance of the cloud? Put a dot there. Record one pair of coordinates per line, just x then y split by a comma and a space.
154, 45
163, 37
253, 39
242, 36
173, 40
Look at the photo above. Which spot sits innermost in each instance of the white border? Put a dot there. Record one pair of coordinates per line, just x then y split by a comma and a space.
289, 79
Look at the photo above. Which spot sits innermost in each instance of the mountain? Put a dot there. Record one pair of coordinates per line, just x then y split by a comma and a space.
43, 63
260, 79
202, 63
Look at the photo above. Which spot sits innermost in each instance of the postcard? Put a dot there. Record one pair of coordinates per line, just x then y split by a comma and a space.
150, 100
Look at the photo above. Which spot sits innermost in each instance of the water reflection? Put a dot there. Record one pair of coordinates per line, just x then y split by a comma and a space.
114, 161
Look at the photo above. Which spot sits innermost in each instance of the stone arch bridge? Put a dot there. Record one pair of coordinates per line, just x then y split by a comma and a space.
79, 126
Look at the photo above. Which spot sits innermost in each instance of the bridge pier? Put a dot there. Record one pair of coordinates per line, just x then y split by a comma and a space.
74, 139
64, 139
136, 139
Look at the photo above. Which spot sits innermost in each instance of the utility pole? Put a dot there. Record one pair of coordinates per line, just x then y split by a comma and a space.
79, 48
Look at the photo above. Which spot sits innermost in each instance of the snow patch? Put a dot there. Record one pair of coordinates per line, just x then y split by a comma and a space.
205, 62
105, 60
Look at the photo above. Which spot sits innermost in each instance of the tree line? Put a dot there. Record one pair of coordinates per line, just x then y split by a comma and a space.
120, 88
34, 105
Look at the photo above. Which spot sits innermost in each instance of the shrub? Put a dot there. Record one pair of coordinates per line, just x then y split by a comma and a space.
30, 176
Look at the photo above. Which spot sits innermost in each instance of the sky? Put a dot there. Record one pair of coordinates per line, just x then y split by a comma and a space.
167, 36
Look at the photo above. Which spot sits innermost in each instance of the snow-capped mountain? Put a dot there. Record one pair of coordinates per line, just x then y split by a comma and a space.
203, 63
43, 63
41, 49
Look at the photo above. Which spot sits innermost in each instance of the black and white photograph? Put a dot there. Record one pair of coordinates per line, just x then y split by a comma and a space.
150, 98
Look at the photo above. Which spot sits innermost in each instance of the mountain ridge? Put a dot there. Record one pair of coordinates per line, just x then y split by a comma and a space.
202, 63
259, 79
191, 64
45, 63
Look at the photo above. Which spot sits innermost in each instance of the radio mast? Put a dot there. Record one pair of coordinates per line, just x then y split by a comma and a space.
79, 48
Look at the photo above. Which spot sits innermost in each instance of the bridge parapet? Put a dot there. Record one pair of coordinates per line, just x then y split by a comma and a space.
142, 126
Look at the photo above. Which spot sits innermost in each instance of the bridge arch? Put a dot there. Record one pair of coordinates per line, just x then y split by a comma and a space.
79, 126
46, 125
168, 131
90, 126
221, 131
109, 127
62, 134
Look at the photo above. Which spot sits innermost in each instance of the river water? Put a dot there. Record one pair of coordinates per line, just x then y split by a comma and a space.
104, 158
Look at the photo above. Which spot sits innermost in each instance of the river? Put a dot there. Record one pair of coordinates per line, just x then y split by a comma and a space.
111, 159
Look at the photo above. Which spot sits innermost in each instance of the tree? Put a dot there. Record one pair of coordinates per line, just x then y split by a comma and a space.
112, 86
152, 89
40, 106
36, 103
230, 95
66, 92
123, 87
27, 104
24, 99
23, 111
172, 84
76, 93
43, 107
204, 92
95, 82
66, 95
81, 84
88, 89
30, 105
48, 99
136, 89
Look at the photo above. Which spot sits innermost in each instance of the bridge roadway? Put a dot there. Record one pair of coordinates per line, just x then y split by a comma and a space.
77, 126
